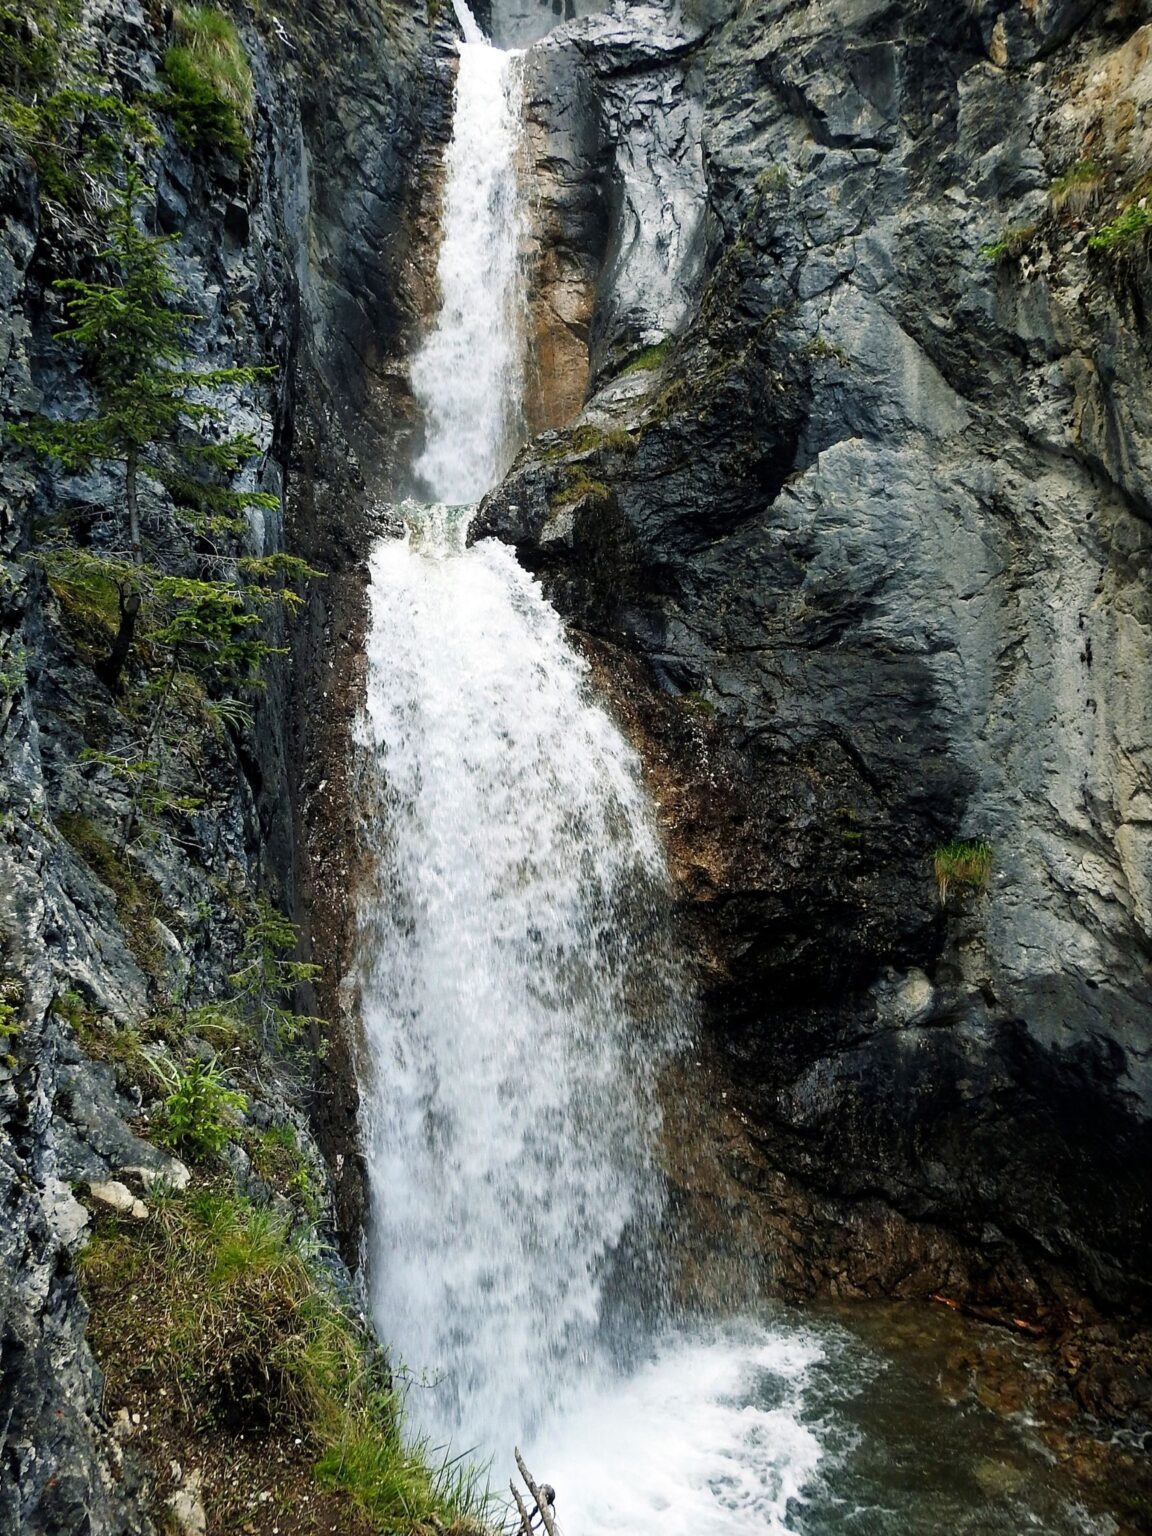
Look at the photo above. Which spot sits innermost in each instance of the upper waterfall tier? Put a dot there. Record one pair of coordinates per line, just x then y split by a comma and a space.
467, 376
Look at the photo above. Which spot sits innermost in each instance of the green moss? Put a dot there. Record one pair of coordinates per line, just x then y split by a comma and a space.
137, 897
669, 401
577, 487
651, 357
962, 863
89, 600
1011, 244
233, 1323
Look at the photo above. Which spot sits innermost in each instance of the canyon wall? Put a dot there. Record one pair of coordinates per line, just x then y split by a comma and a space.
299, 260
855, 522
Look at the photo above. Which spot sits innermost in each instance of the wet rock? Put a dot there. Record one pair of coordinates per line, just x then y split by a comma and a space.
301, 263
873, 577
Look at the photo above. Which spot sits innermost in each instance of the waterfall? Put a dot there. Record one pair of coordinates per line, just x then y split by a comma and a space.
519, 1001
467, 377
510, 1133
512, 999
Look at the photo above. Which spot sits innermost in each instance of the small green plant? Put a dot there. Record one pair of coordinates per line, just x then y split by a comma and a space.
268, 978
650, 357
1077, 189
772, 178
11, 1002
209, 83
962, 863
1124, 231
1010, 245
278, 1160
826, 350
199, 1113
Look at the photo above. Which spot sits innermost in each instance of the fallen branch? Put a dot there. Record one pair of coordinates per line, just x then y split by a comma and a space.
525, 1522
545, 1496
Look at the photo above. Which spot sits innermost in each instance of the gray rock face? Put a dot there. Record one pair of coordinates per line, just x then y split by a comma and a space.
294, 262
881, 540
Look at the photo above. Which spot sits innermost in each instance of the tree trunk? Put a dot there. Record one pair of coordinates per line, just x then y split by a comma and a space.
110, 668
133, 508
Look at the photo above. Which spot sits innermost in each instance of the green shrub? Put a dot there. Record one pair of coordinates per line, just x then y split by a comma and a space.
267, 978
199, 1109
1124, 231
31, 34
209, 80
1011, 244
966, 863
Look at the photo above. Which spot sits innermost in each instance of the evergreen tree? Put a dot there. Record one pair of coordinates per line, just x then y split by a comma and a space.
151, 406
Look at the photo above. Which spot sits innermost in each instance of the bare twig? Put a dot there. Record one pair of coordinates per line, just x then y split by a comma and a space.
543, 1502
525, 1523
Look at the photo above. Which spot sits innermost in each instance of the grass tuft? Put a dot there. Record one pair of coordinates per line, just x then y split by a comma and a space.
212, 43
234, 1323
1011, 244
963, 863
210, 94
1078, 189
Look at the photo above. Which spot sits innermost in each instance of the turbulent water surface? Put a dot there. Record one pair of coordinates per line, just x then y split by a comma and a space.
518, 1003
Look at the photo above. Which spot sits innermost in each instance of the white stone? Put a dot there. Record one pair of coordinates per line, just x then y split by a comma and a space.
68, 1217
188, 1508
118, 1197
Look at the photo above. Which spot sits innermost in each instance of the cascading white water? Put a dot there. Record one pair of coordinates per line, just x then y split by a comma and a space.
510, 1128
508, 1115
467, 377
518, 1002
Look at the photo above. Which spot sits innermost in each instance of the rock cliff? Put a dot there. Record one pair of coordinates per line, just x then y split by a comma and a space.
840, 353
855, 521
297, 260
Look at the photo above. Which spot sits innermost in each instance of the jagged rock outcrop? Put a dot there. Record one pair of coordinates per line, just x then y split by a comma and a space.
864, 557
